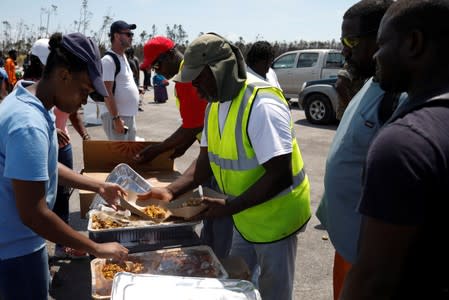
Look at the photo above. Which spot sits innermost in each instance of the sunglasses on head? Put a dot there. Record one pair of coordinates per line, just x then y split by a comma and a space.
353, 40
129, 33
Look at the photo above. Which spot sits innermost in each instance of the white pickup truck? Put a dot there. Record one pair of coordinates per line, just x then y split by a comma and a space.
293, 68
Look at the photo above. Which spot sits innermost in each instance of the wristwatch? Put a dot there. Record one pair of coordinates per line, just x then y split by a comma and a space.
115, 118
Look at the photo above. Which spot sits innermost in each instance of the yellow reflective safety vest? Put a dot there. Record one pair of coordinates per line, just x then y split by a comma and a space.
235, 168
198, 135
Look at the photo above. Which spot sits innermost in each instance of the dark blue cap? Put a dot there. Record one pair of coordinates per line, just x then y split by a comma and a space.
87, 51
120, 25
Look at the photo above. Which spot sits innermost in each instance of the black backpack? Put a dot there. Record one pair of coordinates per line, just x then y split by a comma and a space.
117, 66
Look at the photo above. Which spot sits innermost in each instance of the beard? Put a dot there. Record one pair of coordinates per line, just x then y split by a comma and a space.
361, 71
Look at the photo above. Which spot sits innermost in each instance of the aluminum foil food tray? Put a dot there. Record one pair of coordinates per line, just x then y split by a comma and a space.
146, 233
185, 261
127, 286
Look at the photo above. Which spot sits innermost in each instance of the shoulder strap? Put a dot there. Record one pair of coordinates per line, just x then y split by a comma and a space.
117, 66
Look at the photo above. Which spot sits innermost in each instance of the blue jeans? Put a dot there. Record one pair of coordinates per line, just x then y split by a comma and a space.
61, 208
25, 277
217, 233
276, 262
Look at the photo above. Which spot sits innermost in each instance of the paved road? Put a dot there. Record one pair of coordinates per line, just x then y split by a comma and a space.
315, 253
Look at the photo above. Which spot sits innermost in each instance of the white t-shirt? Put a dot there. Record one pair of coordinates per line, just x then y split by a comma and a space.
271, 77
126, 92
268, 127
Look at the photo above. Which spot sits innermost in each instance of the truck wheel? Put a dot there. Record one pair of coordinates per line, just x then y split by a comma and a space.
318, 109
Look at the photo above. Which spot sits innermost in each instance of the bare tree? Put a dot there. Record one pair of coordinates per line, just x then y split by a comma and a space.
102, 34
143, 37
85, 17
170, 33
153, 31
6, 34
48, 11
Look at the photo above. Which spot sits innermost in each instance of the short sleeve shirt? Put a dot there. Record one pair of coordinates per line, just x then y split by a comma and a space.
407, 184
28, 151
126, 92
191, 106
268, 127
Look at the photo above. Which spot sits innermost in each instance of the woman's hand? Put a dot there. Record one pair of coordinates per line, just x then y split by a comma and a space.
111, 250
112, 192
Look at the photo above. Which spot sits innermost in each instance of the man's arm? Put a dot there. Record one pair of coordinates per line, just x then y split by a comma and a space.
118, 123
383, 249
180, 140
277, 177
77, 123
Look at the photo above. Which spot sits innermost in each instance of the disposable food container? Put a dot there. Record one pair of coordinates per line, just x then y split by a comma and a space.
127, 286
127, 178
139, 235
197, 261
148, 234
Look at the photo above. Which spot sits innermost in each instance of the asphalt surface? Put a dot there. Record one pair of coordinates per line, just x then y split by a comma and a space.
313, 276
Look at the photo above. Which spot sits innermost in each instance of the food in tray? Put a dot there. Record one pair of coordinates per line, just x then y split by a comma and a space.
192, 202
104, 222
155, 212
194, 263
109, 269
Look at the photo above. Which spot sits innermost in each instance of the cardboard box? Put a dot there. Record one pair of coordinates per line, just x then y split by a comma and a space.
100, 158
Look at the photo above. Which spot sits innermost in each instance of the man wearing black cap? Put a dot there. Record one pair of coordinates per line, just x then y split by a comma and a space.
123, 102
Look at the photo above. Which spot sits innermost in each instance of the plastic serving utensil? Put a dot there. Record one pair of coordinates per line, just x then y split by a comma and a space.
200, 192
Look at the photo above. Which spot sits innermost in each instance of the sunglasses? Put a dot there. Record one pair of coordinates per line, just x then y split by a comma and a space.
128, 34
353, 41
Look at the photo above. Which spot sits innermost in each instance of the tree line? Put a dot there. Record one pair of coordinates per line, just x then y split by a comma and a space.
24, 35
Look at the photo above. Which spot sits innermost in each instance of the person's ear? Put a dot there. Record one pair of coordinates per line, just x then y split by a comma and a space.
414, 43
64, 75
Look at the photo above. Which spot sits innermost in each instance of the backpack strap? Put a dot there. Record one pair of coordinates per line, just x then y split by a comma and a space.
117, 66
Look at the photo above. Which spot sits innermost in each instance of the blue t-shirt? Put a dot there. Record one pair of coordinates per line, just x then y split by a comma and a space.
158, 80
3, 74
344, 165
28, 151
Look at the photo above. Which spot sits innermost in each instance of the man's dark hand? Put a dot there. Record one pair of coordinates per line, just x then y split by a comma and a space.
147, 154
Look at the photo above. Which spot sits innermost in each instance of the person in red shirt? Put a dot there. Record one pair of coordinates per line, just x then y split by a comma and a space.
10, 67
161, 54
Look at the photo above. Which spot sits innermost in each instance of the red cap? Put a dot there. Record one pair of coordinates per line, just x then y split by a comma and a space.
153, 48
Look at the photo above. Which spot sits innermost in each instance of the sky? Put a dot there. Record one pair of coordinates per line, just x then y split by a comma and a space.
271, 20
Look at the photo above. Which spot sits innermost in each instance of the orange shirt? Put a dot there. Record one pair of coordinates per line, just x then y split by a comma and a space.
10, 68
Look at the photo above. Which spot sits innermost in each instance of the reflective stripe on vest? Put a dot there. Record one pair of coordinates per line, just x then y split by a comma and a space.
235, 167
